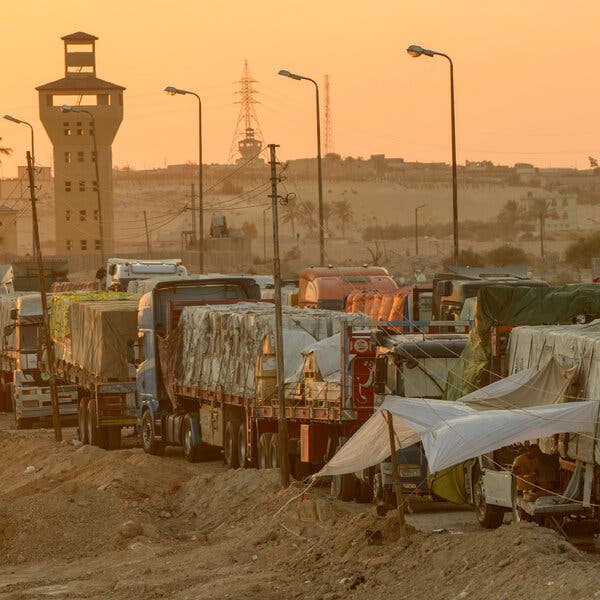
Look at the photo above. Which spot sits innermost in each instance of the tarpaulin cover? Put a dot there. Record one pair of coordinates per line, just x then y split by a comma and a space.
452, 432
327, 358
100, 333
506, 305
220, 346
60, 314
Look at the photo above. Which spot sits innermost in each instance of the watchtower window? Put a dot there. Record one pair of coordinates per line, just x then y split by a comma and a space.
67, 186
84, 244
82, 186
68, 131
96, 244
67, 157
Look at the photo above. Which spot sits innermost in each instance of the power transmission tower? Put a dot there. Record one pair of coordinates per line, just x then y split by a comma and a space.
328, 144
247, 138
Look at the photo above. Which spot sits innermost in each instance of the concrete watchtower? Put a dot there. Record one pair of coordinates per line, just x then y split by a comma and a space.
75, 185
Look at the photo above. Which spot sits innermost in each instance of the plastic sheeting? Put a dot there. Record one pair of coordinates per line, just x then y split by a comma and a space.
532, 387
452, 432
100, 335
221, 346
327, 358
60, 314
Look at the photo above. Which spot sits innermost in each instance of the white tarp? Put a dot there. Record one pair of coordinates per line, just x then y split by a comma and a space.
532, 387
452, 432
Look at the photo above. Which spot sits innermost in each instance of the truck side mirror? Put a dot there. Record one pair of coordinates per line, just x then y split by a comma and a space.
14, 314
112, 269
8, 330
381, 363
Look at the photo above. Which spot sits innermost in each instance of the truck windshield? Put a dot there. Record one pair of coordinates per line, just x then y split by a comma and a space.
29, 337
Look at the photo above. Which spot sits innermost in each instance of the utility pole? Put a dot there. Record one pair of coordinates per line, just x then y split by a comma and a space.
40, 263
284, 466
542, 225
396, 473
148, 244
193, 205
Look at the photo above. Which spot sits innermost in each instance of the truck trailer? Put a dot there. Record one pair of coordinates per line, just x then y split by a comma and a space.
24, 385
96, 349
209, 377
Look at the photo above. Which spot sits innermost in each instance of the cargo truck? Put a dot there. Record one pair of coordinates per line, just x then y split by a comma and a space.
208, 381
121, 271
96, 349
24, 385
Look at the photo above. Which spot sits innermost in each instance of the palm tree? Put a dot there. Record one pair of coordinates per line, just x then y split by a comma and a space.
291, 214
5, 151
342, 212
306, 210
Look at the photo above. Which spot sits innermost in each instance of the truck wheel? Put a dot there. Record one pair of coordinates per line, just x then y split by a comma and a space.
343, 487
274, 451
112, 436
243, 445
489, 516
149, 442
264, 448
95, 434
231, 452
82, 421
191, 451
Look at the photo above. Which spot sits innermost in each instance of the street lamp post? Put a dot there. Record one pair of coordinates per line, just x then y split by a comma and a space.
297, 77
265, 233
173, 91
416, 51
417, 228
78, 109
21, 122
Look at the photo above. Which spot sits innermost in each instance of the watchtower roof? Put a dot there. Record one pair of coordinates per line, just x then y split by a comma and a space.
79, 36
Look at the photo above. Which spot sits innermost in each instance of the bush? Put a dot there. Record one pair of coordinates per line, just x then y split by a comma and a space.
505, 255
581, 252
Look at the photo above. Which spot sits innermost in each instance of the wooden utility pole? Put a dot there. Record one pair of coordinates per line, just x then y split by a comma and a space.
148, 244
40, 263
284, 464
396, 473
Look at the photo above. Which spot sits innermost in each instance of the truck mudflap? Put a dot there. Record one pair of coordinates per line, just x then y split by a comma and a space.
116, 404
35, 402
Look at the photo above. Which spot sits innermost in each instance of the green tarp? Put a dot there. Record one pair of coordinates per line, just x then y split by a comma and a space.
506, 305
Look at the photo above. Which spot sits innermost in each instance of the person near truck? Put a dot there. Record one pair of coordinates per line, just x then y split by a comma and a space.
526, 467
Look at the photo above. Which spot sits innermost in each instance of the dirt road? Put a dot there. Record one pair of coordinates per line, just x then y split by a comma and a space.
87, 523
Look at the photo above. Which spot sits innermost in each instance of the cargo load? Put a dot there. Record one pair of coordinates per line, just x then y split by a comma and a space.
231, 348
102, 334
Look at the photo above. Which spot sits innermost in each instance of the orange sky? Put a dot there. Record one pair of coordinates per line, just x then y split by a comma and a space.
527, 85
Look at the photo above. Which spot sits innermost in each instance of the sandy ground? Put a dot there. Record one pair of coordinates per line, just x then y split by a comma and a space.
94, 524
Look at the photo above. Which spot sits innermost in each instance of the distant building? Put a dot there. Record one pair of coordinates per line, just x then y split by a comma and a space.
561, 210
72, 135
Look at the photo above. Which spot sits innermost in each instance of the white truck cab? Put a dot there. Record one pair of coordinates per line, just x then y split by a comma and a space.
121, 271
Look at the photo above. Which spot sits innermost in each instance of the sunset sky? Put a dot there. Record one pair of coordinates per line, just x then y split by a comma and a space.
527, 85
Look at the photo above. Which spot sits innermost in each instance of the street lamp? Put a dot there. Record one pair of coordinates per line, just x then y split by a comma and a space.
297, 77
416, 51
417, 228
21, 122
77, 109
265, 233
174, 91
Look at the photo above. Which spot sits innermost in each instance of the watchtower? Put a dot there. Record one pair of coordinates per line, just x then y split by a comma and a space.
72, 135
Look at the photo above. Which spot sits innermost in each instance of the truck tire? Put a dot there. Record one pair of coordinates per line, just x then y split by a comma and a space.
112, 436
192, 452
274, 451
343, 487
264, 451
82, 421
230, 445
243, 445
96, 435
149, 442
488, 515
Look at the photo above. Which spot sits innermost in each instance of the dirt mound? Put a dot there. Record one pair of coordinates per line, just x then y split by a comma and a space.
60, 501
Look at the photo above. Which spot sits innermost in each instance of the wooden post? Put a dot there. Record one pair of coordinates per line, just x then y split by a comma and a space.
148, 244
40, 263
396, 473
